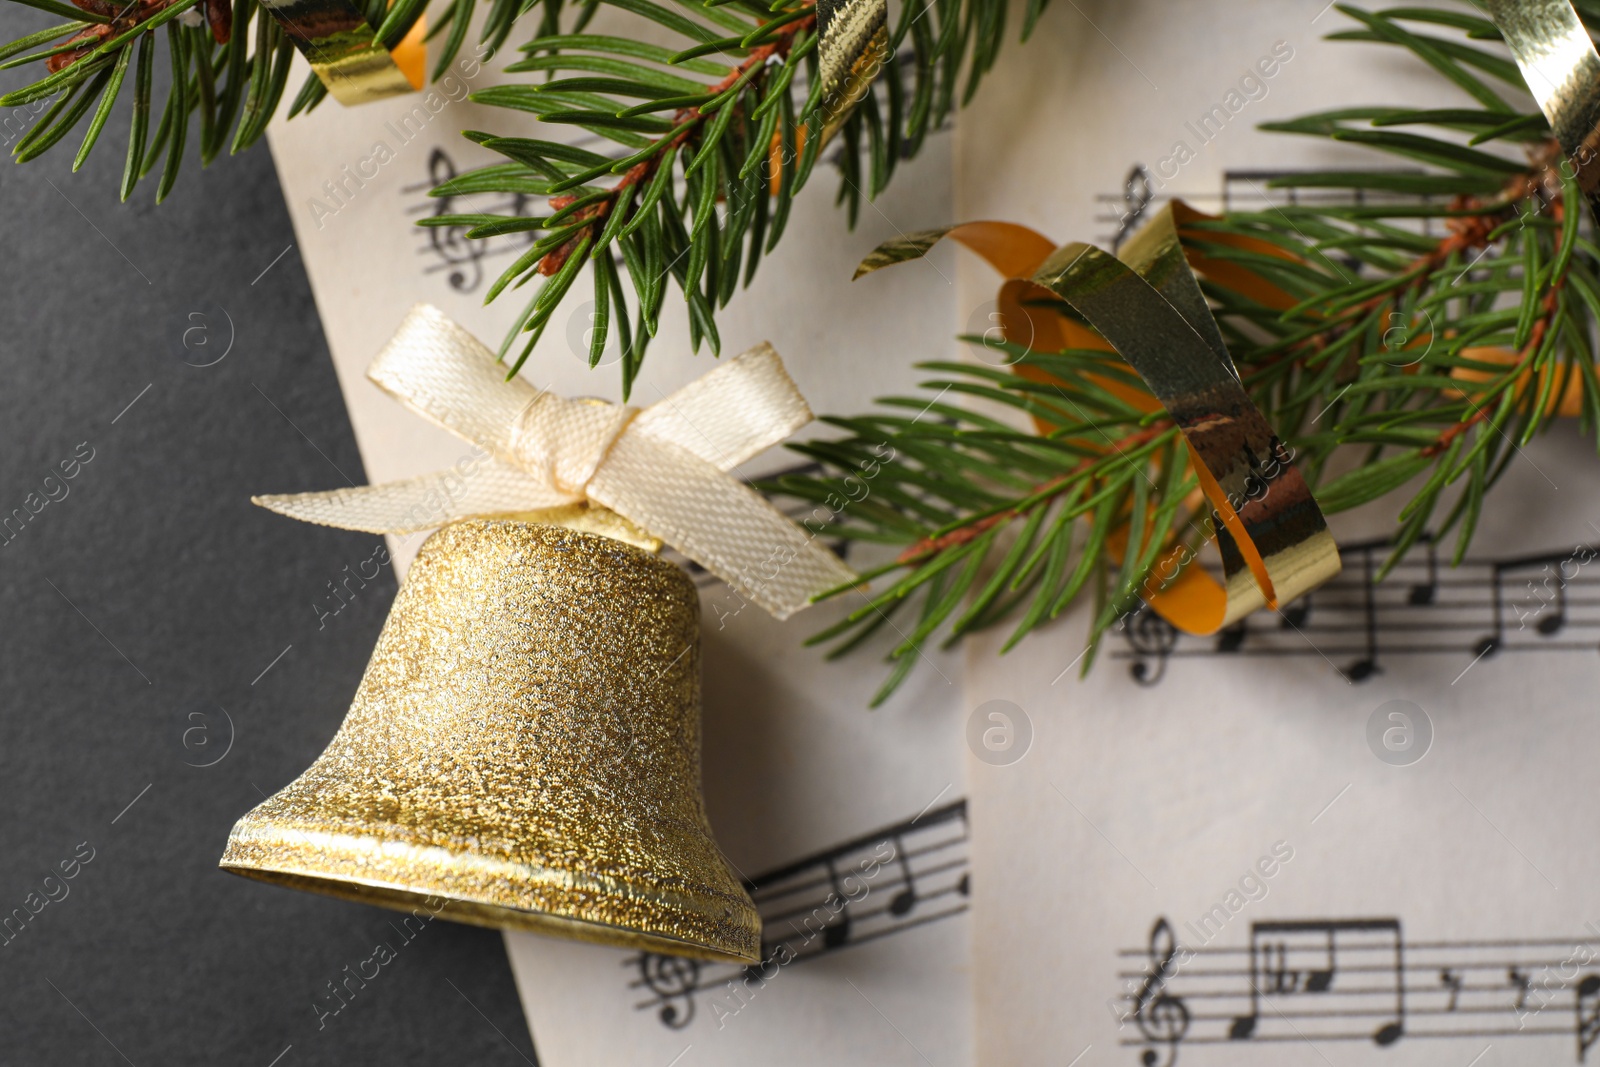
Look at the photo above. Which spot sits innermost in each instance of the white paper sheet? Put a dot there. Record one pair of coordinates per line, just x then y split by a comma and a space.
1233, 796
1442, 793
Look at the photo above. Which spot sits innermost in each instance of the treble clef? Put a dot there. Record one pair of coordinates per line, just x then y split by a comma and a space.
671, 978
1162, 1019
1152, 639
463, 257
1137, 194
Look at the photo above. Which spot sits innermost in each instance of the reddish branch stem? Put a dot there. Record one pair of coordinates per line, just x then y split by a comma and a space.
126, 16
961, 535
1541, 326
684, 123
1466, 234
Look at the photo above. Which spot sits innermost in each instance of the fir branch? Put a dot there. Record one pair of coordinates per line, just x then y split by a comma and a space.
217, 77
1427, 360
230, 63
707, 153
711, 142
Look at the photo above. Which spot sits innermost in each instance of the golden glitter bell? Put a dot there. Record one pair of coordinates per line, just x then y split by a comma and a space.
525, 744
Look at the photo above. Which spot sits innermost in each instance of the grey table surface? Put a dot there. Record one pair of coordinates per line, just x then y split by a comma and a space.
163, 658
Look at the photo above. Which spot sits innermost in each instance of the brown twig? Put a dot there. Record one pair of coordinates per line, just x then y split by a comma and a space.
1467, 233
684, 123
1541, 326
125, 17
1043, 491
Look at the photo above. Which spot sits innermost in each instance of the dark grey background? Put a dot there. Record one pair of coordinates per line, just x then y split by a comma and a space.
153, 596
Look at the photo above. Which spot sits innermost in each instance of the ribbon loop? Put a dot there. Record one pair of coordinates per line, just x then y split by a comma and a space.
1147, 305
663, 469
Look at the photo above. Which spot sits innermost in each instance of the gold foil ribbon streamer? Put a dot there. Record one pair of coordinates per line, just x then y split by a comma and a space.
1558, 61
344, 51
854, 42
661, 470
1274, 542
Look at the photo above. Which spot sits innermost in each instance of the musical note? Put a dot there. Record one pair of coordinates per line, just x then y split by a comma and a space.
1451, 981
1357, 980
1552, 623
1162, 1019
881, 883
1417, 608
1231, 639
1422, 594
1490, 644
1249, 190
1586, 1010
1293, 959
1367, 665
836, 930
902, 903
1518, 981
1320, 981
1546, 623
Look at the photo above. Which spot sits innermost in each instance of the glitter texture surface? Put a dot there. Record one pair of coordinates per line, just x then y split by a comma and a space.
525, 745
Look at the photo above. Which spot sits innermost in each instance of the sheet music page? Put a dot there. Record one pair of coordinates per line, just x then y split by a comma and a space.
798, 772
1353, 833
1308, 832
866, 947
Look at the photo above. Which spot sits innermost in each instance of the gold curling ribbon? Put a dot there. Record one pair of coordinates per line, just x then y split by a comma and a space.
1148, 307
1558, 61
853, 43
660, 470
345, 53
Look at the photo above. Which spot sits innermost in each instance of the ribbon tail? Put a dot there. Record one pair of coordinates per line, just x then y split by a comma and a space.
717, 521
1015, 251
478, 487
1280, 541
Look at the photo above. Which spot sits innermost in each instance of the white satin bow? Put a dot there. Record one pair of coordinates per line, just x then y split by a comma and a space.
661, 468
